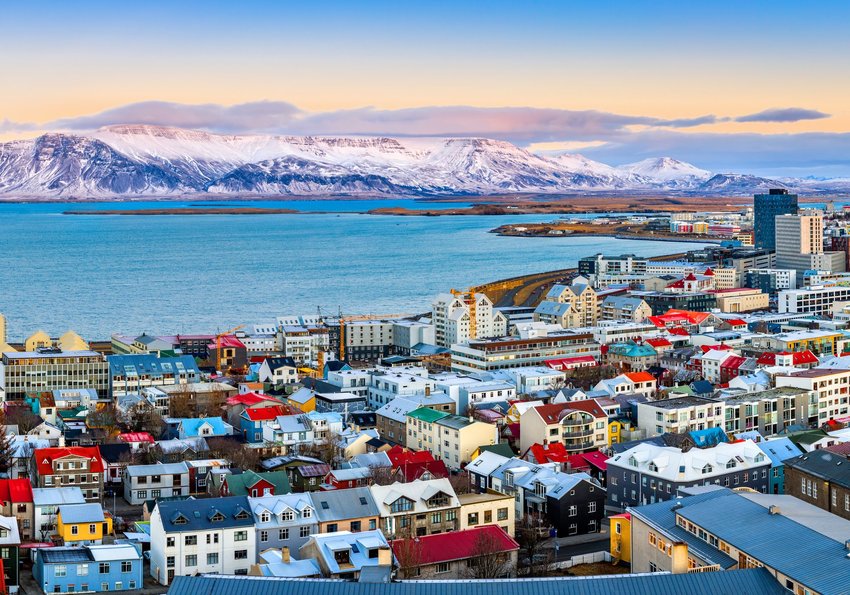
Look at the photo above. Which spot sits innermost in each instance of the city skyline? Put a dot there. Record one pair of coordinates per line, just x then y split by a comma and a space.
748, 89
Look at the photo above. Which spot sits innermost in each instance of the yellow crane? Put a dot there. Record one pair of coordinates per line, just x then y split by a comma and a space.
218, 345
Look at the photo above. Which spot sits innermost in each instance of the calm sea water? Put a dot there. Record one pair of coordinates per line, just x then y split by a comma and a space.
103, 274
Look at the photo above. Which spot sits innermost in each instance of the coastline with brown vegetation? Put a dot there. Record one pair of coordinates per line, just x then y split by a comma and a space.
625, 231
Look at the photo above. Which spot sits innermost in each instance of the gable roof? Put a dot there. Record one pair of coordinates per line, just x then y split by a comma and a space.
16, 491
81, 513
755, 581
456, 545
44, 457
829, 466
338, 505
199, 514
241, 483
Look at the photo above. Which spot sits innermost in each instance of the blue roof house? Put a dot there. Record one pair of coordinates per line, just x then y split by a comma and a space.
778, 451
204, 427
92, 568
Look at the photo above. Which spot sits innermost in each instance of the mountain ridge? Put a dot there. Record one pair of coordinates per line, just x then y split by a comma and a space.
144, 161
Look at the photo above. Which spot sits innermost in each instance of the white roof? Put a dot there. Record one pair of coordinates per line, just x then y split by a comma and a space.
486, 463
417, 491
115, 551
671, 464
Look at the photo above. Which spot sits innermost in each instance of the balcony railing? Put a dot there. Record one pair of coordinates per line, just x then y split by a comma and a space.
578, 434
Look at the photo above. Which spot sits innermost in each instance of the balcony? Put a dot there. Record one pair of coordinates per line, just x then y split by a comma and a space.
574, 447
577, 434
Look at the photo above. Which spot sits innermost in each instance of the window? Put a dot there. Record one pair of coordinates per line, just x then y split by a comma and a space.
126, 567
131, 585
437, 517
104, 586
60, 570
451, 515
472, 518
156, 493
75, 530
240, 555
401, 505
264, 536
283, 534
143, 494
304, 531
92, 529
169, 562
265, 517
169, 542
119, 585
442, 567
82, 570
573, 510
190, 540
240, 536
212, 559
591, 507
308, 512
103, 568
502, 514
191, 560
355, 526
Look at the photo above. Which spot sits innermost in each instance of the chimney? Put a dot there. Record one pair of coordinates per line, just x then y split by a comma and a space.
847, 545
385, 557
774, 509
427, 391
680, 558
284, 555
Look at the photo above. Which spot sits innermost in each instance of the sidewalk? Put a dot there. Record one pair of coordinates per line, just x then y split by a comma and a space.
563, 542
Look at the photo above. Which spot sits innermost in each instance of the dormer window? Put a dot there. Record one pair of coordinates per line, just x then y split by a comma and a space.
265, 517
242, 514
307, 513
730, 464
217, 517
653, 467
287, 515
707, 469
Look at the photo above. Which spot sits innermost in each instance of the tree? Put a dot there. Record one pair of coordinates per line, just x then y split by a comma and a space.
460, 482
240, 455
23, 417
326, 448
382, 476
142, 417
104, 419
531, 539
182, 404
489, 560
408, 554
7, 447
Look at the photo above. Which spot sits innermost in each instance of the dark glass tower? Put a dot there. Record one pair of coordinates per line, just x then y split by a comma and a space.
765, 209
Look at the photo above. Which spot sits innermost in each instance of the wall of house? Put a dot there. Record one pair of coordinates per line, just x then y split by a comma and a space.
586, 517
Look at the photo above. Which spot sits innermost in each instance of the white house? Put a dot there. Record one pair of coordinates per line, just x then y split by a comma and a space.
214, 536
161, 480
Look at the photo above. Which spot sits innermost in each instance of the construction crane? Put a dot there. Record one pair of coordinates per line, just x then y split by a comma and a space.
218, 345
346, 319
467, 296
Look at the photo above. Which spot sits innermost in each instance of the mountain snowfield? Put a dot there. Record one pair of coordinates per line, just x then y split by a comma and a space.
152, 161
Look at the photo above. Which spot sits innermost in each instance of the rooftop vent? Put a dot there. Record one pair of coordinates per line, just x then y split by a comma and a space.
774, 509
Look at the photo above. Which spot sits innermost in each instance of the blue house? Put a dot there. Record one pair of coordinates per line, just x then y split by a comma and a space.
203, 427
778, 451
93, 568
708, 437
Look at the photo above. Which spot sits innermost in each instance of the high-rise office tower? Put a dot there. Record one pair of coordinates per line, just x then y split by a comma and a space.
766, 207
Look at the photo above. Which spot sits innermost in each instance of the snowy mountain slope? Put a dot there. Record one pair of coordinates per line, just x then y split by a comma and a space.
139, 160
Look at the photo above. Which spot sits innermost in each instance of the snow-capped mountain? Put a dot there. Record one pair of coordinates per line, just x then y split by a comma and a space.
147, 161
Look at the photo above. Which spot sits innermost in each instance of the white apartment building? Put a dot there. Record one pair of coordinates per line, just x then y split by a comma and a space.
190, 537
505, 353
151, 482
813, 300
388, 383
829, 385
459, 318
677, 416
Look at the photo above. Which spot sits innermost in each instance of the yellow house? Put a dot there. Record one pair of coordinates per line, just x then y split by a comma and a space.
615, 431
71, 341
82, 524
303, 399
38, 339
621, 537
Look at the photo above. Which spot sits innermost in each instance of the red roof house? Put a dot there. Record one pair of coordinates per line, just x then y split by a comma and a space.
551, 452
454, 548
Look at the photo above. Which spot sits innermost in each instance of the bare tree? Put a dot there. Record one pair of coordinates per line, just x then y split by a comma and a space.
23, 417
489, 559
240, 455
460, 483
325, 448
532, 554
182, 404
104, 419
408, 554
142, 417
7, 447
382, 476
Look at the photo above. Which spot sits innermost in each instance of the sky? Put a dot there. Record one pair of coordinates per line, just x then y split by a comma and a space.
755, 87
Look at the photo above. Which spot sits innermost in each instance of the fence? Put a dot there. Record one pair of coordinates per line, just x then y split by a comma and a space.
582, 559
